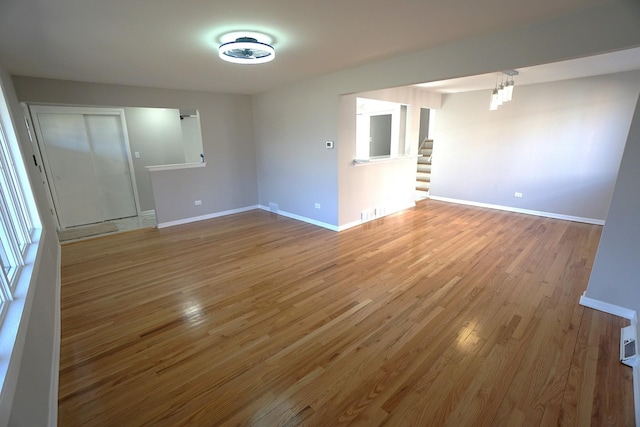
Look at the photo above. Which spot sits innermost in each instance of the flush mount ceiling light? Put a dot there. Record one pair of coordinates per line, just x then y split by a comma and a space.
246, 48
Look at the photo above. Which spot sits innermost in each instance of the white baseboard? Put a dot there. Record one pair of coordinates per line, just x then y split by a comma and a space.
391, 212
203, 217
331, 226
55, 360
350, 225
245, 209
522, 211
609, 308
301, 218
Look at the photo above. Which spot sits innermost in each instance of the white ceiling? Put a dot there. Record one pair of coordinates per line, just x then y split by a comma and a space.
172, 44
613, 62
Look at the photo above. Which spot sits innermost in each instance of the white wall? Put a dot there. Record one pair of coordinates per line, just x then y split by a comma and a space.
31, 384
559, 144
388, 185
227, 182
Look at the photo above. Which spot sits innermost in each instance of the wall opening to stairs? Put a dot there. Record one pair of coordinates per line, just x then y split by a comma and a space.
425, 154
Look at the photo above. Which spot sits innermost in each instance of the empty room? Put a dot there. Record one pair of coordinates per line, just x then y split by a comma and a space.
343, 213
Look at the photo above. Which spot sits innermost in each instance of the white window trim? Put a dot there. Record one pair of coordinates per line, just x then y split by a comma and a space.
21, 237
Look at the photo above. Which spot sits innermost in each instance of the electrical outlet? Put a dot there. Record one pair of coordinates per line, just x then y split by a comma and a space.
198, 203
317, 205
517, 194
137, 154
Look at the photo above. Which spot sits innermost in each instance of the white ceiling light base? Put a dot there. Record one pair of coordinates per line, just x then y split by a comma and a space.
248, 48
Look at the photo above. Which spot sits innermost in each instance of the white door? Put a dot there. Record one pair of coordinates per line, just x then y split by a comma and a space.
111, 166
87, 164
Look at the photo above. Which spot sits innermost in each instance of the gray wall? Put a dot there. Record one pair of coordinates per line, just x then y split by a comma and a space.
155, 133
614, 278
559, 144
229, 179
292, 122
291, 125
30, 386
295, 170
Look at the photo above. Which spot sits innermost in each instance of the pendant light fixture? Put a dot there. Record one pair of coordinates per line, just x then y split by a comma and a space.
246, 48
503, 92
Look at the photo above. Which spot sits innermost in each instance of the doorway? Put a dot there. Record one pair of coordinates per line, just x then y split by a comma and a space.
87, 163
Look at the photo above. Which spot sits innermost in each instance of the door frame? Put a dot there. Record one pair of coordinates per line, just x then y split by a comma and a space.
42, 156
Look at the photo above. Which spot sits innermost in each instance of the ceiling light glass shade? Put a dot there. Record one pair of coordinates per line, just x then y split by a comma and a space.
493, 103
500, 99
508, 92
246, 50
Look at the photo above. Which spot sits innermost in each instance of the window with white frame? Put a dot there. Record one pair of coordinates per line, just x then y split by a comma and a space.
16, 221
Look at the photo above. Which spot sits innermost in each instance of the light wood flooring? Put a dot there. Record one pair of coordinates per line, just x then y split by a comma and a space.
441, 315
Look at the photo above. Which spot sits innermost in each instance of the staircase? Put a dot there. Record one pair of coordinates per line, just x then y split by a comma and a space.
423, 177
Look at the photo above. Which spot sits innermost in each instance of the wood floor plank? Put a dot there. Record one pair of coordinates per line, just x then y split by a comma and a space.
439, 315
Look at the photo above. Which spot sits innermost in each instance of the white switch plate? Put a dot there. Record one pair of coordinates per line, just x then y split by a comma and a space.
137, 154
317, 205
198, 203
517, 194
329, 144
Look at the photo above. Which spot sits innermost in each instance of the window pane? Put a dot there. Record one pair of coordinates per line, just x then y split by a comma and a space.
13, 198
6, 265
10, 259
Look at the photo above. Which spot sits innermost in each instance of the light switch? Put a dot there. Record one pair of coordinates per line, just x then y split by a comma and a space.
137, 154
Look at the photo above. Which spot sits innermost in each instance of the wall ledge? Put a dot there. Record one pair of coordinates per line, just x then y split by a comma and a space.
158, 168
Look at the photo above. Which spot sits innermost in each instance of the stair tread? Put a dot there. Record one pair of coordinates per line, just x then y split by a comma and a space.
428, 143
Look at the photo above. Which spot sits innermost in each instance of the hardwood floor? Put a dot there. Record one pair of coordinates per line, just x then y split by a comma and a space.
441, 315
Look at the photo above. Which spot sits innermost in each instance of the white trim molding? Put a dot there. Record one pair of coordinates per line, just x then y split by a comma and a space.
301, 218
522, 211
204, 217
609, 308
